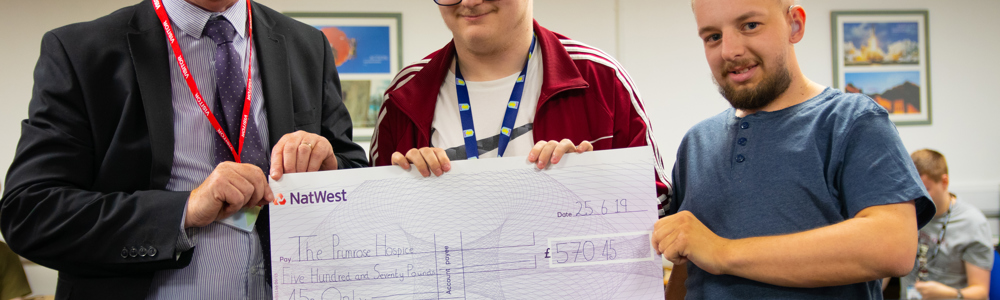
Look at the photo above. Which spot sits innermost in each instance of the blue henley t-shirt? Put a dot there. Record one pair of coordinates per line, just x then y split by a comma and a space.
810, 165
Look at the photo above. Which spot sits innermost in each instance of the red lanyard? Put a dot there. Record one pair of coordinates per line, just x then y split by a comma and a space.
165, 20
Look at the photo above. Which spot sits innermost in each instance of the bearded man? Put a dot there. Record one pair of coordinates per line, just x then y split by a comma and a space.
798, 191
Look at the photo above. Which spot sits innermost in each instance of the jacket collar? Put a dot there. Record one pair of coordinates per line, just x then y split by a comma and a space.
560, 71
148, 47
275, 73
561, 74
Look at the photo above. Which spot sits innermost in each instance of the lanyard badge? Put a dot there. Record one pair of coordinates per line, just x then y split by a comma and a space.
465, 109
923, 260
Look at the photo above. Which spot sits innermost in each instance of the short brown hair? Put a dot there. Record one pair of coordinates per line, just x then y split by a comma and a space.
930, 163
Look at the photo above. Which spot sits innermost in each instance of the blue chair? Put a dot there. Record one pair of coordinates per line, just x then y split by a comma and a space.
995, 277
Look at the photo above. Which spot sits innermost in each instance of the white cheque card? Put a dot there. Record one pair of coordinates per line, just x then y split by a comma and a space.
488, 229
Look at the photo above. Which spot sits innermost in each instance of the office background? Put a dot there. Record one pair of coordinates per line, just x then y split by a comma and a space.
656, 42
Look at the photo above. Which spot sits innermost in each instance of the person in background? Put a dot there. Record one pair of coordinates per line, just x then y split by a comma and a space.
798, 191
955, 256
506, 86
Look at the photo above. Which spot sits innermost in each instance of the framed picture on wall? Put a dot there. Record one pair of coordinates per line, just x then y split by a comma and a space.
368, 51
885, 55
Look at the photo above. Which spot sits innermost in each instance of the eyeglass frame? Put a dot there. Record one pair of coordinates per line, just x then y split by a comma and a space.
456, 3
439, 3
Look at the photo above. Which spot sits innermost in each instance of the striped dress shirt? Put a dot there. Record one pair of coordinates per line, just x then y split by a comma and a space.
227, 263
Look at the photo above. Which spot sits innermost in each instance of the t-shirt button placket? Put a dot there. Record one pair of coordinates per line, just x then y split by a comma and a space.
742, 142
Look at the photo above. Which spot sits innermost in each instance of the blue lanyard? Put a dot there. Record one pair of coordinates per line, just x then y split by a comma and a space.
465, 109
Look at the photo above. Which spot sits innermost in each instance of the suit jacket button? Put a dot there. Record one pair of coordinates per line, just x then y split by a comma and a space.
142, 251
133, 252
151, 251
124, 252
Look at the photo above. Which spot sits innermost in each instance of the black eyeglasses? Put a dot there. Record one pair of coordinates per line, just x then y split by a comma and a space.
447, 2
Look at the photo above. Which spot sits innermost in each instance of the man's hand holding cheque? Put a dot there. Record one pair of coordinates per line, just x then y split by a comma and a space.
681, 237
301, 151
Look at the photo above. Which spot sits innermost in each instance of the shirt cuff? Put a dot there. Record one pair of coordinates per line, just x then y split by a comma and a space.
184, 242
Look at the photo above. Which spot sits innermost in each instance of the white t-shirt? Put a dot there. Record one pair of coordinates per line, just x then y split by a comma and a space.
489, 104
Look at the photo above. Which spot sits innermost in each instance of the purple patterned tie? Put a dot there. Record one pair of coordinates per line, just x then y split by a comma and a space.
230, 91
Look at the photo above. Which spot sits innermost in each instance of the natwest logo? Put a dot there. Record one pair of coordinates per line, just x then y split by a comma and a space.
312, 197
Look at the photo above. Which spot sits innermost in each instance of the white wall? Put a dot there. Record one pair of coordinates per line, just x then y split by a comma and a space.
656, 41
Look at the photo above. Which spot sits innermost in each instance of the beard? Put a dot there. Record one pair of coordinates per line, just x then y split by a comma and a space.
759, 96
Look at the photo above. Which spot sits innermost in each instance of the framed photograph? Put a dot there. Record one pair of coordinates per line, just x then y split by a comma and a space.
368, 50
884, 54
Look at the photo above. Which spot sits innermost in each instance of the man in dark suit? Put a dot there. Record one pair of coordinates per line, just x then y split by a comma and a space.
114, 183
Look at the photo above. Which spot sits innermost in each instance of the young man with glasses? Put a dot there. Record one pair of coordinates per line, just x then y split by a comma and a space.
506, 86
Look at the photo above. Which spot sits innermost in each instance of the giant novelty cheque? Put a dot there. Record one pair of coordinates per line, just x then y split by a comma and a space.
488, 229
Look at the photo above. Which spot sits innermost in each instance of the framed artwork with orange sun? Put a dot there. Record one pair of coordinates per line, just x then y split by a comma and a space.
884, 54
368, 51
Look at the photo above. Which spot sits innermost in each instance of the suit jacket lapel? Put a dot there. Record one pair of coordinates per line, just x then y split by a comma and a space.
273, 65
272, 57
148, 47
